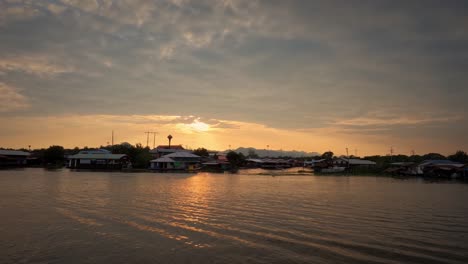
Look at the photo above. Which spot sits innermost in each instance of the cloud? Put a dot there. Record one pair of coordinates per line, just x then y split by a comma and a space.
395, 120
319, 66
39, 65
11, 99
14, 12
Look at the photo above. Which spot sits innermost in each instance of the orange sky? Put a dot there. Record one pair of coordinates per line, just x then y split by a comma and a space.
191, 132
294, 75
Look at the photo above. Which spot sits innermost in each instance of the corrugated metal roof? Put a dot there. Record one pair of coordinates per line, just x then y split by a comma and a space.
359, 162
95, 151
438, 162
168, 150
98, 156
181, 155
255, 160
163, 159
13, 152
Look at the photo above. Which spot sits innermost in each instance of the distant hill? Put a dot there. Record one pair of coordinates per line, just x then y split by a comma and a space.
276, 153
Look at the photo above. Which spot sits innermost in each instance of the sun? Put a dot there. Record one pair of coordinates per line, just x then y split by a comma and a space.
199, 126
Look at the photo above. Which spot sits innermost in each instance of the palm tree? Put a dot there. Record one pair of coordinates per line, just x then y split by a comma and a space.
170, 138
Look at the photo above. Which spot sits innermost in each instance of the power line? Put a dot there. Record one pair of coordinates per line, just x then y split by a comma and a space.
154, 137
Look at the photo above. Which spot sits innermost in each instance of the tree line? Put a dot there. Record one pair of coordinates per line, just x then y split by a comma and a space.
459, 156
140, 156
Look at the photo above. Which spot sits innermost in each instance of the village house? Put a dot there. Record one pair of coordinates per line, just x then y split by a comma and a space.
163, 150
13, 157
345, 162
180, 160
98, 159
315, 163
268, 163
437, 168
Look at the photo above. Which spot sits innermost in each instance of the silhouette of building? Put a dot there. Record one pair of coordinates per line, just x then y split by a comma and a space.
163, 150
13, 157
181, 160
97, 159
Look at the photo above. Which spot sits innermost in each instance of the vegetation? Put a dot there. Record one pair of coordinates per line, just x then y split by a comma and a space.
140, 156
54, 155
327, 155
459, 156
202, 152
252, 154
236, 159
386, 160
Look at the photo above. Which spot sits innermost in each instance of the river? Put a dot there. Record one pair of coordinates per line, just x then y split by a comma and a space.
64, 216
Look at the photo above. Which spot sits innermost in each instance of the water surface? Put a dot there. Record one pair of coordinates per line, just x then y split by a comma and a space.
111, 217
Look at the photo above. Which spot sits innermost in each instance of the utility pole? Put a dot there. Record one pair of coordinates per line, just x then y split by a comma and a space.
154, 137
112, 137
347, 156
391, 153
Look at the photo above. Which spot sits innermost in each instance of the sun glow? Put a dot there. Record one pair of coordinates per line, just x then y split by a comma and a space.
199, 126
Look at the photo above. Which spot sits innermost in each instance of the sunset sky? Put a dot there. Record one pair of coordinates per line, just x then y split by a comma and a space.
303, 75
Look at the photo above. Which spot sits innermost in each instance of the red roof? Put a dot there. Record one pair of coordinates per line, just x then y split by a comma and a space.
171, 147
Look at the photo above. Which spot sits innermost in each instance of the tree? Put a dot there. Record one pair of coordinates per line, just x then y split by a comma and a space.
75, 150
54, 154
459, 156
434, 156
235, 159
252, 154
139, 155
327, 155
202, 152
142, 159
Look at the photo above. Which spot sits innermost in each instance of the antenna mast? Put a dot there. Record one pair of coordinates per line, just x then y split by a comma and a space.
154, 137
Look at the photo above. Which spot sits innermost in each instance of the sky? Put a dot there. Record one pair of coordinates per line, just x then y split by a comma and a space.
293, 75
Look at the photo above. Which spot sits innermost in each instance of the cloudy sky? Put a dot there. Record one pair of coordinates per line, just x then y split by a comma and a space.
304, 75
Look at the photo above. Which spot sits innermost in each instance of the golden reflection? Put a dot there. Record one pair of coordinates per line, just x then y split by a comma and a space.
195, 204
165, 233
80, 219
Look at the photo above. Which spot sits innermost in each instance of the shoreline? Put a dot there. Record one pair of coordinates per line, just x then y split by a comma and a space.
251, 172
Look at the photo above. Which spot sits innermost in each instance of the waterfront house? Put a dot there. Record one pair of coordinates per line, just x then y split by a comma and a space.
181, 160
275, 164
268, 163
216, 166
13, 157
163, 150
315, 163
345, 162
98, 159
221, 156
401, 168
254, 163
439, 168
